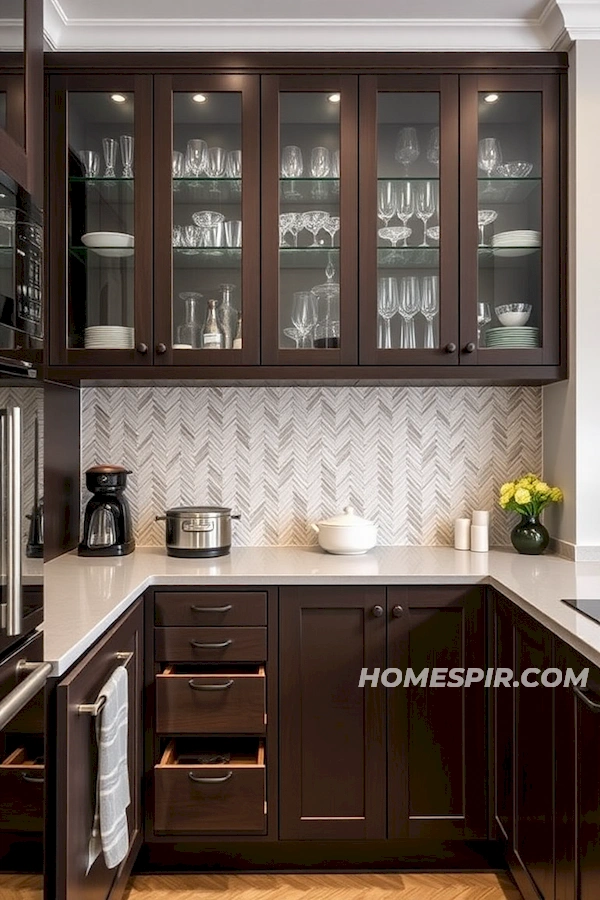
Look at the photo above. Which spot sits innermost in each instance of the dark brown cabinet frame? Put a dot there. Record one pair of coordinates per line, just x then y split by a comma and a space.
458, 77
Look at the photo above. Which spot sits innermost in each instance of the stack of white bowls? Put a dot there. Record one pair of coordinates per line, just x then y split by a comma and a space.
516, 243
108, 337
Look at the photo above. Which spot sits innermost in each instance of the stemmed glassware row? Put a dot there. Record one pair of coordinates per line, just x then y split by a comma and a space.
90, 159
200, 159
407, 296
406, 200
323, 162
313, 221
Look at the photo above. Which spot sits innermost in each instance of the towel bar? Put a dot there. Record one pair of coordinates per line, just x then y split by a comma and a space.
94, 709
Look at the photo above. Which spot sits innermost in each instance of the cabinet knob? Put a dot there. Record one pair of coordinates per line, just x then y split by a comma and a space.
470, 347
142, 348
161, 348
397, 612
377, 611
450, 348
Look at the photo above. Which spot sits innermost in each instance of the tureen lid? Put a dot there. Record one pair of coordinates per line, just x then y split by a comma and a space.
347, 519
187, 512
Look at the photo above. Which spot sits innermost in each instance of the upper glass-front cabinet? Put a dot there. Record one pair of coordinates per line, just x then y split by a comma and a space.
408, 220
207, 220
510, 272
101, 240
309, 220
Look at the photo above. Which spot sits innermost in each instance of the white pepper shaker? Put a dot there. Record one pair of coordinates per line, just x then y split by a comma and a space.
480, 541
462, 534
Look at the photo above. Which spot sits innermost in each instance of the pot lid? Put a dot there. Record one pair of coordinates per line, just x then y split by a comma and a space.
185, 512
347, 519
107, 470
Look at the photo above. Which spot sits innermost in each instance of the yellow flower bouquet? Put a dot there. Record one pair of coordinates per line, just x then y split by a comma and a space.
528, 496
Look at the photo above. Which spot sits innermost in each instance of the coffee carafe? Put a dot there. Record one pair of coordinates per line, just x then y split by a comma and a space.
107, 523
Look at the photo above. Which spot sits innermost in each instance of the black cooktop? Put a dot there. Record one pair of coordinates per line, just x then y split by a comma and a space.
589, 608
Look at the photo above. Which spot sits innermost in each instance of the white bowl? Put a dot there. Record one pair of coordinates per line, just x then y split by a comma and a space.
513, 314
109, 243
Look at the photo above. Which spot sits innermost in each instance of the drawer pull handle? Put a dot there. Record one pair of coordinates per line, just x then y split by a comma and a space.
32, 779
224, 686
201, 645
219, 780
587, 699
212, 609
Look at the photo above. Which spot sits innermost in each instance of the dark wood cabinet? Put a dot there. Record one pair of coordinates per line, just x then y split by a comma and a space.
502, 713
450, 260
332, 732
436, 736
77, 760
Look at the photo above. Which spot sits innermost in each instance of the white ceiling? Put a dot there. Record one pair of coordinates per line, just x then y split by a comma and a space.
318, 25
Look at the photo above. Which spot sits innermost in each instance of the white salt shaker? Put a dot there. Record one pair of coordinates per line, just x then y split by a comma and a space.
481, 517
462, 534
480, 540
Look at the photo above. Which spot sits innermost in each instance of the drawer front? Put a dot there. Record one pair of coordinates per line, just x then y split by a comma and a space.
210, 644
218, 608
21, 798
184, 806
205, 704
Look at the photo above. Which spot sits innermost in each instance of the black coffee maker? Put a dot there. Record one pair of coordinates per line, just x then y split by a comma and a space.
107, 524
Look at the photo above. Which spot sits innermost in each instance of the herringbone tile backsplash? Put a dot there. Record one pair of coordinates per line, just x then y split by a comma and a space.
410, 458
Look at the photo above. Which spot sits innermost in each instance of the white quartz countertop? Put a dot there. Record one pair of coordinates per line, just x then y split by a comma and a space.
83, 597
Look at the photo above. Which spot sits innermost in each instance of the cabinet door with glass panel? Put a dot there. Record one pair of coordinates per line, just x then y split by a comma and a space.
510, 220
100, 259
309, 216
207, 241
408, 220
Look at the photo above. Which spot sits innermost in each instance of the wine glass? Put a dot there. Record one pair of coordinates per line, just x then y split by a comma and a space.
233, 164
484, 317
485, 217
489, 155
177, 168
433, 147
314, 220
126, 143
430, 304
407, 147
409, 305
426, 205
215, 162
109, 149
196, 155
91, 163
294, 335
332, 226
291, 167
386, 201
304, 314
320, 162
405, 203
387, 307
295, 226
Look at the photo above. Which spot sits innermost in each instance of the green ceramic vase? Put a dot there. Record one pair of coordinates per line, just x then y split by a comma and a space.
530, 536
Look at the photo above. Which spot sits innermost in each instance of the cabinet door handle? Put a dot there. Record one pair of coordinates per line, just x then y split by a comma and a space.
219, 780
450, 348
224, 686
142, 348
32, 779
161, 348
377, 611
200, 645
470, 347
397, 612
586, 699
212, 609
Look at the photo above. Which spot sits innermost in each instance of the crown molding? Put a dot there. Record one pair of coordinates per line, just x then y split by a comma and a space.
55, 25
581, 19
11, 35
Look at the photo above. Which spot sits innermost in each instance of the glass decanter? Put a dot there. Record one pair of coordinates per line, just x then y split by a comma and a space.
227, 314
190, 332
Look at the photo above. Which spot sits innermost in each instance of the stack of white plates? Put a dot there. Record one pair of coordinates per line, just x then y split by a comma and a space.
108, 337
516, 243
518, 336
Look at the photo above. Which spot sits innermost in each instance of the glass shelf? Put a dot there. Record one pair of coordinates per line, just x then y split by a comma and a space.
307, 257
309, 190
82, 179
217, 190
213, 258
487, 259
506, 190
408, 257
409, 178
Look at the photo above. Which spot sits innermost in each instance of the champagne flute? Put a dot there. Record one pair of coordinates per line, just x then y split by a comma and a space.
304, 314
426, 205
409, 306
387, 307
196, 155
109, 149
126, 143
91, 163
430, 304
489, 155
407, 147
405, 204
433, 147
386, 201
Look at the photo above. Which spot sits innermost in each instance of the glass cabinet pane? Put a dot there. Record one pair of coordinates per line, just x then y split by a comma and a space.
509, 313
309, 220
207, 221
408, 220
101, 221
21, 273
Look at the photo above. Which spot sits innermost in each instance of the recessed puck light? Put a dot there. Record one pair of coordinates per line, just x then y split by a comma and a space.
118, 98
491, 98
199, 98
334, 98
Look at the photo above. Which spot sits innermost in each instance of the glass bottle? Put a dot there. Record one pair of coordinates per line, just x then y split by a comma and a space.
237, 341
227, 314
213, 336
190, 332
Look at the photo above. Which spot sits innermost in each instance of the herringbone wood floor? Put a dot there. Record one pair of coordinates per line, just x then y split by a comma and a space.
21, 887
323, 887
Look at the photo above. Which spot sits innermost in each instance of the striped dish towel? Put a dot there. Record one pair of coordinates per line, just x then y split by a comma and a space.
110, 832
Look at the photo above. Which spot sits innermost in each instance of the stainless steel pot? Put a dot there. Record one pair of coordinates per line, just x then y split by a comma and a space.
197, 531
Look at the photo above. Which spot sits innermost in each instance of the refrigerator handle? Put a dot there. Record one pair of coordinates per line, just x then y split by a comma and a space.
11, 434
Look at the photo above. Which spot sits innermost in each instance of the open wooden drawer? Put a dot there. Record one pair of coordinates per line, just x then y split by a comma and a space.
22, 792
192, 796
210, 700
